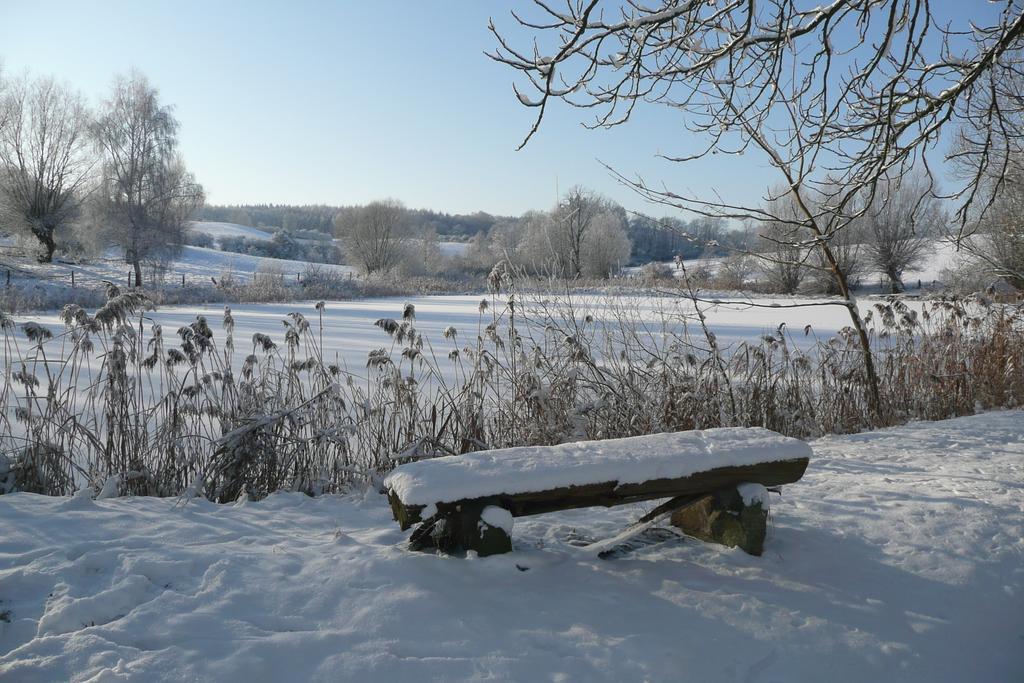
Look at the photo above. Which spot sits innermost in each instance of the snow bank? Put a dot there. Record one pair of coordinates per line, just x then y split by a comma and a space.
627, 461
898, 557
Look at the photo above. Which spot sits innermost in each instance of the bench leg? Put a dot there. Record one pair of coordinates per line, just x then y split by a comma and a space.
723, 517
464, 529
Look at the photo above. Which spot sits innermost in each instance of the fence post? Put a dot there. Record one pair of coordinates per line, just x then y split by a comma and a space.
8, 277
183, 279
72, 279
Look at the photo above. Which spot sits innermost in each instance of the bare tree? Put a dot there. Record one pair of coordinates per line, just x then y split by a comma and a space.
146, 195
4, 108
375, 236
847, 262
707, 232
901, 229
45, 158
421, 255
572, 220
786, 249
998, 239
734, 271
1006, 237
836, 96
995, 240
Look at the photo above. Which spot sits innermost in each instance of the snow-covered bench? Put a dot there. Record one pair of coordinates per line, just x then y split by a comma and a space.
714, 479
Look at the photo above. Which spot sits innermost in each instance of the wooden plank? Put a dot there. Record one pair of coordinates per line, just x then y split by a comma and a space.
606, 548
612, 493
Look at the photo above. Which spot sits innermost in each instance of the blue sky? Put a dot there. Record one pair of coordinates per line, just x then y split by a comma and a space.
346, 102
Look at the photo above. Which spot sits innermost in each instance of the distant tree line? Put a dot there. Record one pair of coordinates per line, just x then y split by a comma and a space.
321, 218
314, 217
585, 235
665, 239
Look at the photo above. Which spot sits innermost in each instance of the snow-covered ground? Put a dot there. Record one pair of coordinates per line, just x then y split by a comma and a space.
451, 249
196, 264
201, 262
898, 557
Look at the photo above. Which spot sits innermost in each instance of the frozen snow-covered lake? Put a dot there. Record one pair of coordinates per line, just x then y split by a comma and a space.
349, 333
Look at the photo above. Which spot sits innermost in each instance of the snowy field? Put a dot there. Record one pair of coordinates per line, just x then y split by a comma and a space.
197, 264
899, 557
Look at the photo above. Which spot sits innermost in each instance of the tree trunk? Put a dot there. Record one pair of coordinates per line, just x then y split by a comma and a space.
137, 267
894, 281
872, 392
46, 240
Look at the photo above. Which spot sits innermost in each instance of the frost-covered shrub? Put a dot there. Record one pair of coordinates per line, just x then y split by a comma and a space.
656, 272
200, 239
735, 272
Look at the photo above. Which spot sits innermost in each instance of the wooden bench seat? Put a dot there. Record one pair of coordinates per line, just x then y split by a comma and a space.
461, 501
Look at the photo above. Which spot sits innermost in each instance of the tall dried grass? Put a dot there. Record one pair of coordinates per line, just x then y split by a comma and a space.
117, 404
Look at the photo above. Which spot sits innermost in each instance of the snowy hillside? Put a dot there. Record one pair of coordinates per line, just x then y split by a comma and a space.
197, 264
220, 230
899, 557
201, 262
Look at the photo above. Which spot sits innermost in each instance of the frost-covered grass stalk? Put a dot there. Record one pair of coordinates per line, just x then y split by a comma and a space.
118, 404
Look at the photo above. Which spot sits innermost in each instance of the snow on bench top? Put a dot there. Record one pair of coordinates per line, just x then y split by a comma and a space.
632, 460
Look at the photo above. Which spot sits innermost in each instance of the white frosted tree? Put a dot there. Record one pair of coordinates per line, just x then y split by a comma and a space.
901, 225
606, 247
146, 195
539, 243
998, 242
